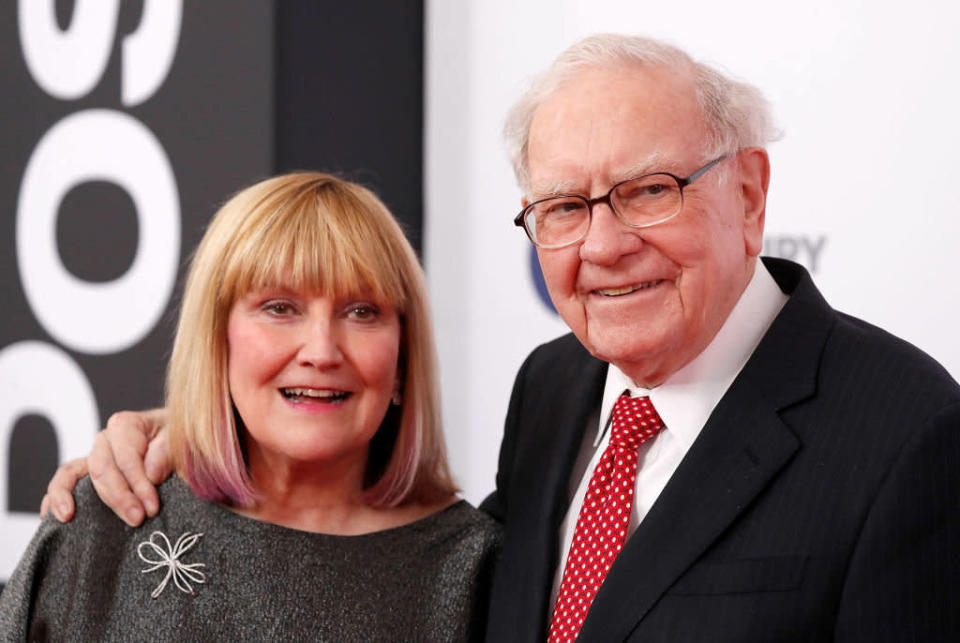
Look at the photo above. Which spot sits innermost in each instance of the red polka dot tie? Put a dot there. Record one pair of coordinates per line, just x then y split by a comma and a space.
602, 526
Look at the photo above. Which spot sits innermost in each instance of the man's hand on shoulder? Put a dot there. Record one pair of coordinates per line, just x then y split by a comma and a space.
59, 497
129, 458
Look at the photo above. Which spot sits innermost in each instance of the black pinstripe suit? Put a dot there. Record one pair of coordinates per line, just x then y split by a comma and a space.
820, 502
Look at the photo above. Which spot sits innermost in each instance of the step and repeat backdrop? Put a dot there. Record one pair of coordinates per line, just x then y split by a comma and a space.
127, 123
124, 126
862, 189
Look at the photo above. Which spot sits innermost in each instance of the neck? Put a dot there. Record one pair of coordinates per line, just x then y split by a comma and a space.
324, 497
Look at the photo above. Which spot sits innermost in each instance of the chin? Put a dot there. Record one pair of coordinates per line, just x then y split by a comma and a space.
627, 349
634, 343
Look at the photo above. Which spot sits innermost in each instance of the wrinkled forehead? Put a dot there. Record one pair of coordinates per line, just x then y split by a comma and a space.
615, 123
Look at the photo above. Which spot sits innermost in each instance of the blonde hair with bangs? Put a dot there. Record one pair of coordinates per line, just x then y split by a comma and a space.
314, 231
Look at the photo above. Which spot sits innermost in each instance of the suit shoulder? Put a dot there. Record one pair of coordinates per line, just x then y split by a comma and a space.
865, 349
563, 362
564, 349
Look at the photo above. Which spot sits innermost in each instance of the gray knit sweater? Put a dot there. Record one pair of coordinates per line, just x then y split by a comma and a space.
86, 580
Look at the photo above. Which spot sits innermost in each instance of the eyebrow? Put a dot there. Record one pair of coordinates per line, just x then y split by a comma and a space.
565, 186
652, 163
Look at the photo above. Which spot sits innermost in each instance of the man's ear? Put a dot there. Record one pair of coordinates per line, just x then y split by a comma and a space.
754, 180
524, 202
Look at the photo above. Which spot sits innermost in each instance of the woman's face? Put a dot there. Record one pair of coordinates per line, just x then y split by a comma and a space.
311, 376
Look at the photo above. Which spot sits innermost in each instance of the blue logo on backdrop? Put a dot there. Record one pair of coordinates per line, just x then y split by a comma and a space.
538, 281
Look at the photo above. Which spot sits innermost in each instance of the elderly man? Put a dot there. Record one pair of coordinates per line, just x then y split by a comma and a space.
802, 479
714, 453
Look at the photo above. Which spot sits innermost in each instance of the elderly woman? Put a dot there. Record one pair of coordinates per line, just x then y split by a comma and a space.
313, 499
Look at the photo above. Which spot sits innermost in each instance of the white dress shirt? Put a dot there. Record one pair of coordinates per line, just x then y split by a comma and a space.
684, 401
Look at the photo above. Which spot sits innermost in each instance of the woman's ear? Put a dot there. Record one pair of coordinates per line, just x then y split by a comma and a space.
397, 397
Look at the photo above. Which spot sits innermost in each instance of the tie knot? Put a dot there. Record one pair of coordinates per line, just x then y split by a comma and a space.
633, 421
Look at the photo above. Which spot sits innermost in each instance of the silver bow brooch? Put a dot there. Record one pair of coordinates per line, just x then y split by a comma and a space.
169, 557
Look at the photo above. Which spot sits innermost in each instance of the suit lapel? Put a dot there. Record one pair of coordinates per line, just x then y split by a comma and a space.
555, 420
740, 449
732, 461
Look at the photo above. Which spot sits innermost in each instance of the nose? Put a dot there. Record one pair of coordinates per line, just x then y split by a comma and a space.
320, 345
608, 239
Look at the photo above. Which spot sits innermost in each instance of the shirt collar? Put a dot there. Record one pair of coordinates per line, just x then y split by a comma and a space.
687, 398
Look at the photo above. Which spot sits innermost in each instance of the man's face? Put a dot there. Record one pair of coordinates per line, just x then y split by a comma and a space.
648, 300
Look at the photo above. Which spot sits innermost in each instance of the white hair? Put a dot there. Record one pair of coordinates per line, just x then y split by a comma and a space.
736, 114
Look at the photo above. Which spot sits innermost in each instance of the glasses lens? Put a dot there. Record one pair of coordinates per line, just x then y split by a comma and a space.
557, 221
648, 199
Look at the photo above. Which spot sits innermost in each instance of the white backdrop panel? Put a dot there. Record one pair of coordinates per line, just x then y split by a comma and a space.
862, 191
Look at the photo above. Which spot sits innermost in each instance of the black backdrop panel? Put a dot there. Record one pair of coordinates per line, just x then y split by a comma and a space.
211, 117
253, 88
350, 97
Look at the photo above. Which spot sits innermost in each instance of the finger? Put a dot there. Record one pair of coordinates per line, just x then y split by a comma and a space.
157, 468
157, 463
59, 496
131, 449
111, 484
152, 421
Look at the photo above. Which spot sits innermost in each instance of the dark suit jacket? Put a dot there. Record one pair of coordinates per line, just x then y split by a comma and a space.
820, 502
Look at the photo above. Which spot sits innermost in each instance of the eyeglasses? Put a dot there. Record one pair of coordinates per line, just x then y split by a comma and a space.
640, 202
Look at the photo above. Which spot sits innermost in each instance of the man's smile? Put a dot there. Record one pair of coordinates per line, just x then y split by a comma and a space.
626, 290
